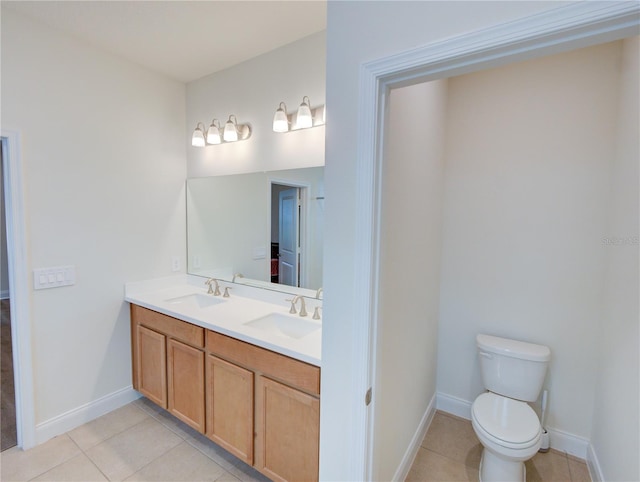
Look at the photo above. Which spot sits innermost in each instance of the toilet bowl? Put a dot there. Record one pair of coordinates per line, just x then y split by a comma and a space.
507, 427
509, 431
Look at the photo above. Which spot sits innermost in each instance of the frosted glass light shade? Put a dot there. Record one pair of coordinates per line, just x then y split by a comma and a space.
280, 120
213, 134
230, 133
197, 139
304, 118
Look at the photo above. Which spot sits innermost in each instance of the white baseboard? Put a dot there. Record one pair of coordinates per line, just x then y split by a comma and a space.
453, 405
558, 439
412, 450
83, 414
569, 443
595, 471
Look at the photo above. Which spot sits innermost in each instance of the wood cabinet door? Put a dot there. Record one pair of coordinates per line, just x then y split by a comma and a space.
287, 432
185, 375
230, 407
151, 365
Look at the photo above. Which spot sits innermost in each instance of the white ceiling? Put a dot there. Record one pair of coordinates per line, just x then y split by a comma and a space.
185, 40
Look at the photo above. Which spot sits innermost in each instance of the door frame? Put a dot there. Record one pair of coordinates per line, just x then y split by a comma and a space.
19, 289
561, 29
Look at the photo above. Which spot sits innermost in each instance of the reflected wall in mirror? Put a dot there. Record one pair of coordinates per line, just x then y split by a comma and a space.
267, 226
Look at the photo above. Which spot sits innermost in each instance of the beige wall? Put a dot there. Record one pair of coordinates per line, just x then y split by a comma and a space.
103, 160
615, 434
529, 154
524, 169
411, 227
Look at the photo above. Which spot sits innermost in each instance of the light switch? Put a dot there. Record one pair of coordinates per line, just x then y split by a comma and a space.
53, 277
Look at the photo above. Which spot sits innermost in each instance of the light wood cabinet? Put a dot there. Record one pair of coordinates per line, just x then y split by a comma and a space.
151, 365
287, 432
261, 406
166, 368
230, 407
185, 376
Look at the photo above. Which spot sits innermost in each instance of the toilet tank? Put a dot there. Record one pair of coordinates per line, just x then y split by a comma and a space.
512, 368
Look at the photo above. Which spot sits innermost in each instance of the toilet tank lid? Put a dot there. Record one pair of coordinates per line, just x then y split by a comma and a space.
513, 348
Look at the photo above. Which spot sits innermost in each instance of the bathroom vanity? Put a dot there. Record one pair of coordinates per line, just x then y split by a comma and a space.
242, 370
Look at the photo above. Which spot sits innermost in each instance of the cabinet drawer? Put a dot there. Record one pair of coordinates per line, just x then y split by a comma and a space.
281, 367
180, 330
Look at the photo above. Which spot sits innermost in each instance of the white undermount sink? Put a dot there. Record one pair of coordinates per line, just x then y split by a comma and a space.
283, 325
195, 300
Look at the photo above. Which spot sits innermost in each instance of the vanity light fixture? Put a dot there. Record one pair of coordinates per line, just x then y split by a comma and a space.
217, 135
213, 134
197, 139
304, 118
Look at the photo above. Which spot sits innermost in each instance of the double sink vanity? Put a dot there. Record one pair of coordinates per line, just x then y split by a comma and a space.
240, 369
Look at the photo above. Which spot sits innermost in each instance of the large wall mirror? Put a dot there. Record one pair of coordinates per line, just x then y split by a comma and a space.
263, 229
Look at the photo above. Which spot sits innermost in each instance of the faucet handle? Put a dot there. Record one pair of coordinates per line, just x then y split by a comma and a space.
303, 308
292, 310
226, 292
316, 313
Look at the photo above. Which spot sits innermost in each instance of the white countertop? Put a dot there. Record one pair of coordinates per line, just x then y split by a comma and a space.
229, 315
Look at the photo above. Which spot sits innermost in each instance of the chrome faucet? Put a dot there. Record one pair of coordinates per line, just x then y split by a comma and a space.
318, 293
211, 291
237, 275
303, 308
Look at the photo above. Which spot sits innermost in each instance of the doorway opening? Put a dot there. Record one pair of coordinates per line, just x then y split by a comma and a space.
287, 234
492, 47
18, 287
8, 431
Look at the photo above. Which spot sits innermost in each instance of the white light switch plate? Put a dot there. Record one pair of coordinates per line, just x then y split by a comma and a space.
44, 278
175, 263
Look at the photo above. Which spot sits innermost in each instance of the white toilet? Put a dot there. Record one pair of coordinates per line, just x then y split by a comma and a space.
507, 427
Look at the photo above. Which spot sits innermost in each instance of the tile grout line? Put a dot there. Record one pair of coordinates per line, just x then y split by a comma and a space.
229, 467
84, 452
61, 462
152, 461
185, 439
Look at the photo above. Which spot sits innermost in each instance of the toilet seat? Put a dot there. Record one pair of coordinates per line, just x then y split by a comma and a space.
506, 422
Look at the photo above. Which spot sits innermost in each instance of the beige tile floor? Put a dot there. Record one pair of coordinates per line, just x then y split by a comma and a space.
141, 442
138, 442
451, 452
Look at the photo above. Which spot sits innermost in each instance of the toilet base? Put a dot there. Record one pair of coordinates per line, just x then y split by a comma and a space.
497, 469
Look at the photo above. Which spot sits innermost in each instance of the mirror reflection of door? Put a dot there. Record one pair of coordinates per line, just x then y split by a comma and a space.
285, 234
